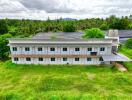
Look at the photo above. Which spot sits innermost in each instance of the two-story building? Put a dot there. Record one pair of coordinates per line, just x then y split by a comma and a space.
66, 48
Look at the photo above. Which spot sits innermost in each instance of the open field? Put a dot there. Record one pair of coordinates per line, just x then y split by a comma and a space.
64, 82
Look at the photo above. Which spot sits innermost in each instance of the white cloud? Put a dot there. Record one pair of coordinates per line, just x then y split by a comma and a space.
41, 9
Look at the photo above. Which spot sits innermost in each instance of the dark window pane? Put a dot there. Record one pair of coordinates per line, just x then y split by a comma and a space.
52, 59
52, 49
76, 59
77, 49
40, 59
64, 49
27, 49
14, 48
40, 49
89, 59
89, 49
102, 49
100, 59
15, 59
64, 59
28, 59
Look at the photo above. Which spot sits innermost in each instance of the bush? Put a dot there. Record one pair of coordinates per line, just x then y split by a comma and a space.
4, 49
93, 33
69, 27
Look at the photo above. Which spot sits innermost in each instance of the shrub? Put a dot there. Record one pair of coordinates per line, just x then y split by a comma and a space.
4, 49
69, 27
93, 33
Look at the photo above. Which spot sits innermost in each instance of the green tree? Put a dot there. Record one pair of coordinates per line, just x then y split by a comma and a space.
104, 26
4, 49
124, 23
3, 27
69, 27
93, 33
118, 23
128, 43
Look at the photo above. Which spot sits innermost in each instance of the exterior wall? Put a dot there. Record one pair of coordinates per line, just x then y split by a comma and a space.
83, 61
59, 50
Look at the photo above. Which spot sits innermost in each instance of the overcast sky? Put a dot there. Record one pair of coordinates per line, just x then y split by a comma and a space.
42, 9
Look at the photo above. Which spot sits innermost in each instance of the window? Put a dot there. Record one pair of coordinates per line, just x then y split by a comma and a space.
89, 59
52, 59
89, 49
14, 48
28, 59
15, 59
64, 59
102, 49
64, 49
40, 59
27, 49
100, 59
77, 49
39, 49
76, 59
52, 49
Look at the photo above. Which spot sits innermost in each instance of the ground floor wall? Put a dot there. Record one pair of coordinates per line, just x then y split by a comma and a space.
82, 61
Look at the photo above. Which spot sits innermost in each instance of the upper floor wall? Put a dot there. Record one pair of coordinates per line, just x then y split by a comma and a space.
61, 49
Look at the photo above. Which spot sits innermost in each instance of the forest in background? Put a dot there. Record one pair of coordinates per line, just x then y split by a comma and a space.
25, 28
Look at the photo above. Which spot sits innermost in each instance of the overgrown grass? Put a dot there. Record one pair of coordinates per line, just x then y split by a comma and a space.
63, 82
126, 51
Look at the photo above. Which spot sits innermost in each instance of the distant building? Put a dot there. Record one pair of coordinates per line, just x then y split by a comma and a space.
66, 48
123, 35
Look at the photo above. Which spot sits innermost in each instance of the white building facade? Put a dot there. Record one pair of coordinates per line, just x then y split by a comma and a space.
62, 50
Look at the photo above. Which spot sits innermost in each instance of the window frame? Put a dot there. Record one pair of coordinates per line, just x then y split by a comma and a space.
40, 59
101, 59
16, 59
89, 59
27, 48
14, 48
64, 59
77, 49
40, 49
51, 59
64, 49
77, 59
52, 48
28, 59
89, 49
102, 49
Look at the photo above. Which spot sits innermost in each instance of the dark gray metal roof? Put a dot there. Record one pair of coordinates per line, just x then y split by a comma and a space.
59, 35
125, 33
76, 35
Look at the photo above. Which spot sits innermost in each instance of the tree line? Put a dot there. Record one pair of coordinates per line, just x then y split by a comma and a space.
23, 28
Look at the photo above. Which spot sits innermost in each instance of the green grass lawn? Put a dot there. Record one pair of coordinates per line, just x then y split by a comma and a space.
63, 82
128, 53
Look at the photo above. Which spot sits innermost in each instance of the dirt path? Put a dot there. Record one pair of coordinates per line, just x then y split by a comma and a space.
120, 67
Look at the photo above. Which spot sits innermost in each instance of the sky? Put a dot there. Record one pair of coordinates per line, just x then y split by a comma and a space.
54, 9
